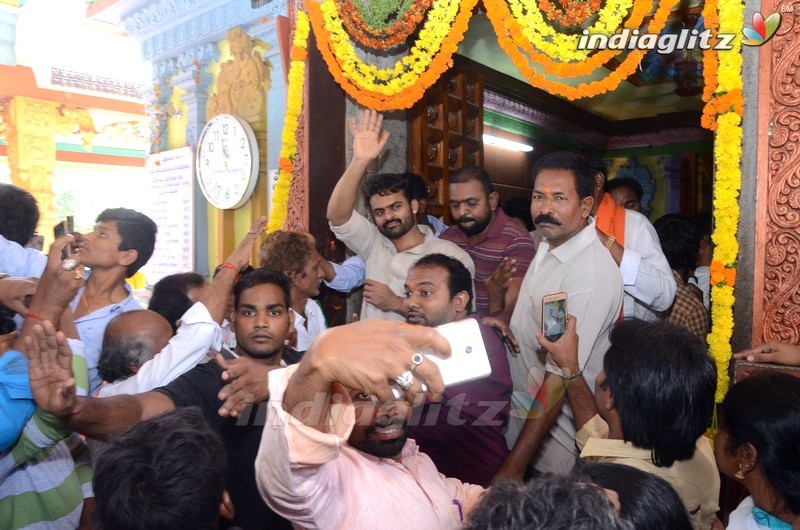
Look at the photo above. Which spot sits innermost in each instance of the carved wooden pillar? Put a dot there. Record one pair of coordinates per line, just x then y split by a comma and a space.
776, 299
30, 128
242, 87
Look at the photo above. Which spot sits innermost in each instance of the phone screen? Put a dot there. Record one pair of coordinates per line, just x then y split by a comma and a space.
554, 321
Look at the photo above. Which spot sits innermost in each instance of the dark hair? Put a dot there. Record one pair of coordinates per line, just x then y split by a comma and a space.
163, 473
704, 223
121, 354
519, 208
680, 242
647, 501
625, 182
764, 410
170, 297
419, 190
286, 251
583, 171
467, 173
553, 502
137, 231
386, 184
594, 159
663, 383
258, 277
19, 214
458, 277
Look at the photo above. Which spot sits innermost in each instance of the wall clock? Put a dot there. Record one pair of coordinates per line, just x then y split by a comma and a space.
227, 161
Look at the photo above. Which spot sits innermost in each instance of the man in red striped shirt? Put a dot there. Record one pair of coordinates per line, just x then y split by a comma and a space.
488, 235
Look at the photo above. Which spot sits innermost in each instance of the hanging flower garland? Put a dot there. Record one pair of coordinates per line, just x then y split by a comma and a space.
496, 9
571, 12
402, 85
723, 113
509, 34
382, 38
294, 106
562, 46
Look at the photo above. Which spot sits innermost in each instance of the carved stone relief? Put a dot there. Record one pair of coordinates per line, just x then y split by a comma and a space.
780, 206
243, 82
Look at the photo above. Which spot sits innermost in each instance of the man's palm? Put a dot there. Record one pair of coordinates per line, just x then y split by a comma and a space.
51, 380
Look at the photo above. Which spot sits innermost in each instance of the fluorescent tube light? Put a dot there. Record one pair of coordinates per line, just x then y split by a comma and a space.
502, 143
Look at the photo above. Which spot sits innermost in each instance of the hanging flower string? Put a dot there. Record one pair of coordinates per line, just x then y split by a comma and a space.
381, 39
496, 10
510, 35
723, 113
403, 84
294, 106
571, 12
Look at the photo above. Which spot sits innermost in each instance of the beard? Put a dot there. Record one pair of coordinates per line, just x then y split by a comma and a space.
399, 228
476, 227
381, 448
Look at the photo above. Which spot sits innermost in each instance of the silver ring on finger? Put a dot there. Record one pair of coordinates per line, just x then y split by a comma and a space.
69, 264
405, 380
416, 360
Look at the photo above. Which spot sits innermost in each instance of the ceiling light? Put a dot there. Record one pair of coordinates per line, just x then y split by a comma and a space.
502, 143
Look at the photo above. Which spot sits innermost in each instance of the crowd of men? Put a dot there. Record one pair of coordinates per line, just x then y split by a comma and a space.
231, 404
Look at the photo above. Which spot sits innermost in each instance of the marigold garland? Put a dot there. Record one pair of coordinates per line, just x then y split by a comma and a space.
381, 89
571, 12
381, 39
294, 106
495, 10
510, 35
562, 46
723, 113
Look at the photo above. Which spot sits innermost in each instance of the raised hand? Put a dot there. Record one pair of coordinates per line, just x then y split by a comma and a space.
240, 257
504, 329
50, 370
368, 138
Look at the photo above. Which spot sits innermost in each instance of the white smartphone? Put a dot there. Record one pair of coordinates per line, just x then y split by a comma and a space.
554, 316
469, 360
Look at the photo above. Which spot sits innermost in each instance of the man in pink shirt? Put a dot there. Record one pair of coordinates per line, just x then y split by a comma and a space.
331, 457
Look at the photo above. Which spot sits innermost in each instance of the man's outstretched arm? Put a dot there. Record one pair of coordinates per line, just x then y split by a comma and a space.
53, 388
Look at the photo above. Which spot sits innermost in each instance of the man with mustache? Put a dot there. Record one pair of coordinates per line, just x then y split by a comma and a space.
395, 241
569, 259
488, 235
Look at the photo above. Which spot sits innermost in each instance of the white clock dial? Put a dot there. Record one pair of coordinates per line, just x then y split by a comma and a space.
227, 161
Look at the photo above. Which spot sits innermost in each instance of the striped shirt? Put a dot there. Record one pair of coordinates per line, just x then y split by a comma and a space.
504, 237
47, 474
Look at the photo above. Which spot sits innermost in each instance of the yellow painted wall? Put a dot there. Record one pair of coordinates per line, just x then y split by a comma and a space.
176, 137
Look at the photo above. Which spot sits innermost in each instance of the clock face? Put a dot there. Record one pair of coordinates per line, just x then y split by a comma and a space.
227, 161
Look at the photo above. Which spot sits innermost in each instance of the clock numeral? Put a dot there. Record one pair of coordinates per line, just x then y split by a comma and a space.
224, 128
227, 194
216, 135
242, 143
211, 146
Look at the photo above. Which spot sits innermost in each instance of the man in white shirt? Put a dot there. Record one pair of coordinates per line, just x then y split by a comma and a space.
395, 242
569, 259
646, 274
293, 253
